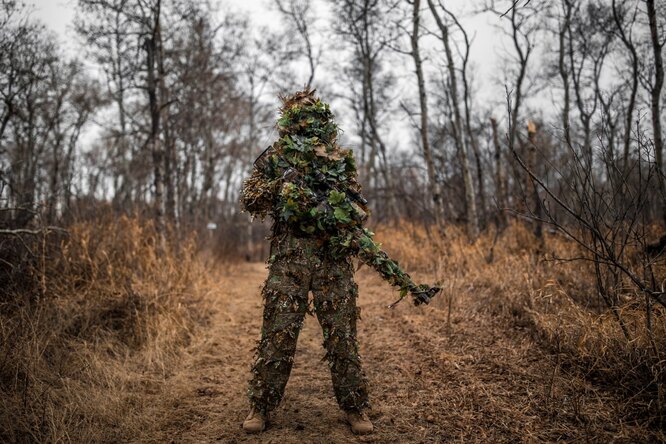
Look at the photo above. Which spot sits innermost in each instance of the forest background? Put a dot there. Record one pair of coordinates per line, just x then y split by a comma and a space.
486, 133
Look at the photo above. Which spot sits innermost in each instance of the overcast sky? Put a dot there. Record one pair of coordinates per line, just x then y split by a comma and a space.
57, 15
485, 68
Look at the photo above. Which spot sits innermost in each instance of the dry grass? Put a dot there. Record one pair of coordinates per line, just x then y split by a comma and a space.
557, 303
104, 342
473, 366
100, 318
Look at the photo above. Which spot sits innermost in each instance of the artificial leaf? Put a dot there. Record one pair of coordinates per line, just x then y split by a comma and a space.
336, 197
341, 215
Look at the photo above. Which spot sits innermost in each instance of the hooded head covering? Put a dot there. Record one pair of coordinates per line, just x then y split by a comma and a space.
305, 115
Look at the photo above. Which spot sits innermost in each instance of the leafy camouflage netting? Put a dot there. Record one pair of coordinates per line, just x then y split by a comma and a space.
306, 182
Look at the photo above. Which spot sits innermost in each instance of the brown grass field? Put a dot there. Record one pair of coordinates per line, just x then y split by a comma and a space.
151, 347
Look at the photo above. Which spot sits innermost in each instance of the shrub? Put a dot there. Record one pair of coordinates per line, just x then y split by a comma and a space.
90, 315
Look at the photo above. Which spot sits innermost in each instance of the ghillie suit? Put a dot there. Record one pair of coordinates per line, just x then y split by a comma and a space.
307, 183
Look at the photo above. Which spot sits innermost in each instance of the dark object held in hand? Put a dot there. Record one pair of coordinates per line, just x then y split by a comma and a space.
424, 297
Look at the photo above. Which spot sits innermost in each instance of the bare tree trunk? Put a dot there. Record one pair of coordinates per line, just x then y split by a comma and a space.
532, 193
208, 176
523, 46
628, 43
430, 166
297, 12
56, 149
609, 126
368, 136
481, 208
69, 161
377, 142
655, 95
150, 46
195, 197
124, 194
585, 110
459, 134
564, 73
24, 187
169, 151
523, 57
360, 23
500, 189
251, 140
473, 140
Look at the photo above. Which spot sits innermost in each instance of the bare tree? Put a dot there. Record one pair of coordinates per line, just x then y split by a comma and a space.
624, 21
46, 101
14, 34
28, 116
109, 32
423, 105
74, 99
299, 15
523, 28
214, 135
461, 129
150, 20
365, 27
589, 44
655, 95
500, 177
524, 24
563, 32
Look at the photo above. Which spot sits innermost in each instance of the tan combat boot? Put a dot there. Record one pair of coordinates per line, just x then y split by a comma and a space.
255, 421
360, 423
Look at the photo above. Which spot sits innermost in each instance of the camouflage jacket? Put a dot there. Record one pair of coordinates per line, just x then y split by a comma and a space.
312, 190
308, 185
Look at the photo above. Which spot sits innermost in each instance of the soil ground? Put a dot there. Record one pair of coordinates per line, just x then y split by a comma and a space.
435, 376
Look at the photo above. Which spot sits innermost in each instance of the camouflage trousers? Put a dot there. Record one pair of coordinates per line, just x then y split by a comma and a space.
296, 267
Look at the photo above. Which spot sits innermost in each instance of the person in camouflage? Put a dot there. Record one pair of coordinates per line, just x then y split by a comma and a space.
308, 185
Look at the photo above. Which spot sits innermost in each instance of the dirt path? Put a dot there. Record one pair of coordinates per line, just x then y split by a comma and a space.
475, 380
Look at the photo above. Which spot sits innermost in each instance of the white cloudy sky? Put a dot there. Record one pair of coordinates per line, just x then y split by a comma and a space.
58, 16
487, 48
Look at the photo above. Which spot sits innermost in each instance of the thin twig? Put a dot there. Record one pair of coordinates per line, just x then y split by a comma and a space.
20, 231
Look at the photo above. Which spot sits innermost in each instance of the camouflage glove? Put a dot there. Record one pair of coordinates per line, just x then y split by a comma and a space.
423, 294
